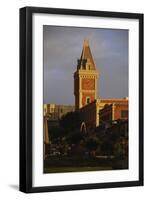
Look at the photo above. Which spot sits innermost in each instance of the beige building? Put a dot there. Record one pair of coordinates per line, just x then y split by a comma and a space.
55, 112
90, 113
113, 112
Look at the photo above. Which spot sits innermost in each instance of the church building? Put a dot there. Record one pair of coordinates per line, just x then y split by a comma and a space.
86, 91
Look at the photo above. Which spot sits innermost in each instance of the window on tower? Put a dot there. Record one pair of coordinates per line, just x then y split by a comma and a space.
124, 114
87, 100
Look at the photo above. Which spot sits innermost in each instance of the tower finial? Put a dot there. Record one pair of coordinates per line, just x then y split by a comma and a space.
86, 42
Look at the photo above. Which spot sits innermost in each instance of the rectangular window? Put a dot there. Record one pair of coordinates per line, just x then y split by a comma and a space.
52, 110
124, 114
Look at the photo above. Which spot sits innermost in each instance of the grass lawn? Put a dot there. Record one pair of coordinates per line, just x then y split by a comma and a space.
59, 164
75, 169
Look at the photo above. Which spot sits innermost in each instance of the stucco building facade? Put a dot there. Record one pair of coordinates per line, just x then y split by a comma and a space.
86, 91
95, 112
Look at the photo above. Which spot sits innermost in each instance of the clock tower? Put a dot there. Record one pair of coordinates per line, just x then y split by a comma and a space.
85, 78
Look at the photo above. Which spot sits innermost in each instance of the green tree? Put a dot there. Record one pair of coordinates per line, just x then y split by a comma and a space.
56, 133
91, 145
75, 137
70, 121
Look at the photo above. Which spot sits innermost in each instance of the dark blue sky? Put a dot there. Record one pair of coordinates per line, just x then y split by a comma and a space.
62, 48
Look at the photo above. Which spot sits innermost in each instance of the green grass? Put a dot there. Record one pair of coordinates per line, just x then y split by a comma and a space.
75, 169
59, 161
59, 164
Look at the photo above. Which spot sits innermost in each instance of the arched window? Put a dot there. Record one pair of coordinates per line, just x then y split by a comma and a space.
87, 100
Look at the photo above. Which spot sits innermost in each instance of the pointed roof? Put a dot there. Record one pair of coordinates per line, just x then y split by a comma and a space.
86, 57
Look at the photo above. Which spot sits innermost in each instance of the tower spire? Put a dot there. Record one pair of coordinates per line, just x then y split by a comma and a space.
86, 60
85, 78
